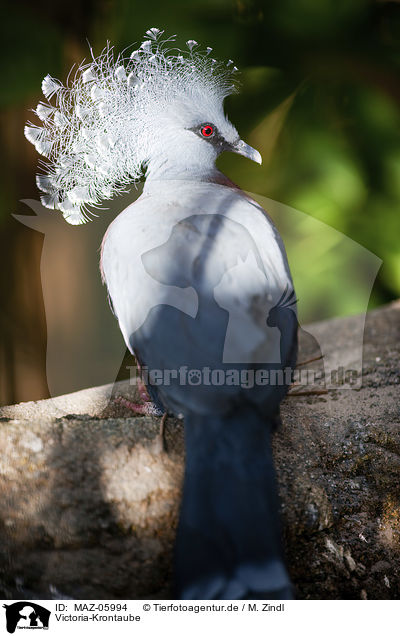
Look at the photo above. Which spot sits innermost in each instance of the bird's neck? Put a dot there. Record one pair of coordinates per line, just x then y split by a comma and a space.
167, 171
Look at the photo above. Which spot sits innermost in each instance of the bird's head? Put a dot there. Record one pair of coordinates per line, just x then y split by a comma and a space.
158, 112
191, 133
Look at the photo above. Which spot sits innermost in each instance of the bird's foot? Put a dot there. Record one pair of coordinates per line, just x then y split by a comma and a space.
147, 408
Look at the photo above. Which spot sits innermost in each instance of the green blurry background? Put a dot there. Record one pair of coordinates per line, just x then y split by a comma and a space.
320, 100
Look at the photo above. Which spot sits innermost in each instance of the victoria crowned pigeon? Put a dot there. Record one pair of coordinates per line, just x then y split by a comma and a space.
199, 282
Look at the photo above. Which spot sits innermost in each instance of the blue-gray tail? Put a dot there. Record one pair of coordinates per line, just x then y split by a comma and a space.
229, 536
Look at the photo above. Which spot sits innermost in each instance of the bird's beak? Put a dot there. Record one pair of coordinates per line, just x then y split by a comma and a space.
247, 151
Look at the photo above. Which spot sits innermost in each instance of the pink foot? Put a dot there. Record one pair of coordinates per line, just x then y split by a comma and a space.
147, 408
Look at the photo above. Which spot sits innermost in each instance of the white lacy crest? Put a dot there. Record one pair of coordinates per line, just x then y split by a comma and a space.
98, 133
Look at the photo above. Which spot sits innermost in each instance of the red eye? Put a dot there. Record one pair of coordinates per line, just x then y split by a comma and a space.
207, 130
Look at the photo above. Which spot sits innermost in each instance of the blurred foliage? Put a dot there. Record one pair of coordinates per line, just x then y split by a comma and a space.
320, 100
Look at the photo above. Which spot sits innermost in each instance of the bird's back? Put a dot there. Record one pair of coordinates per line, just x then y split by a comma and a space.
196, 289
